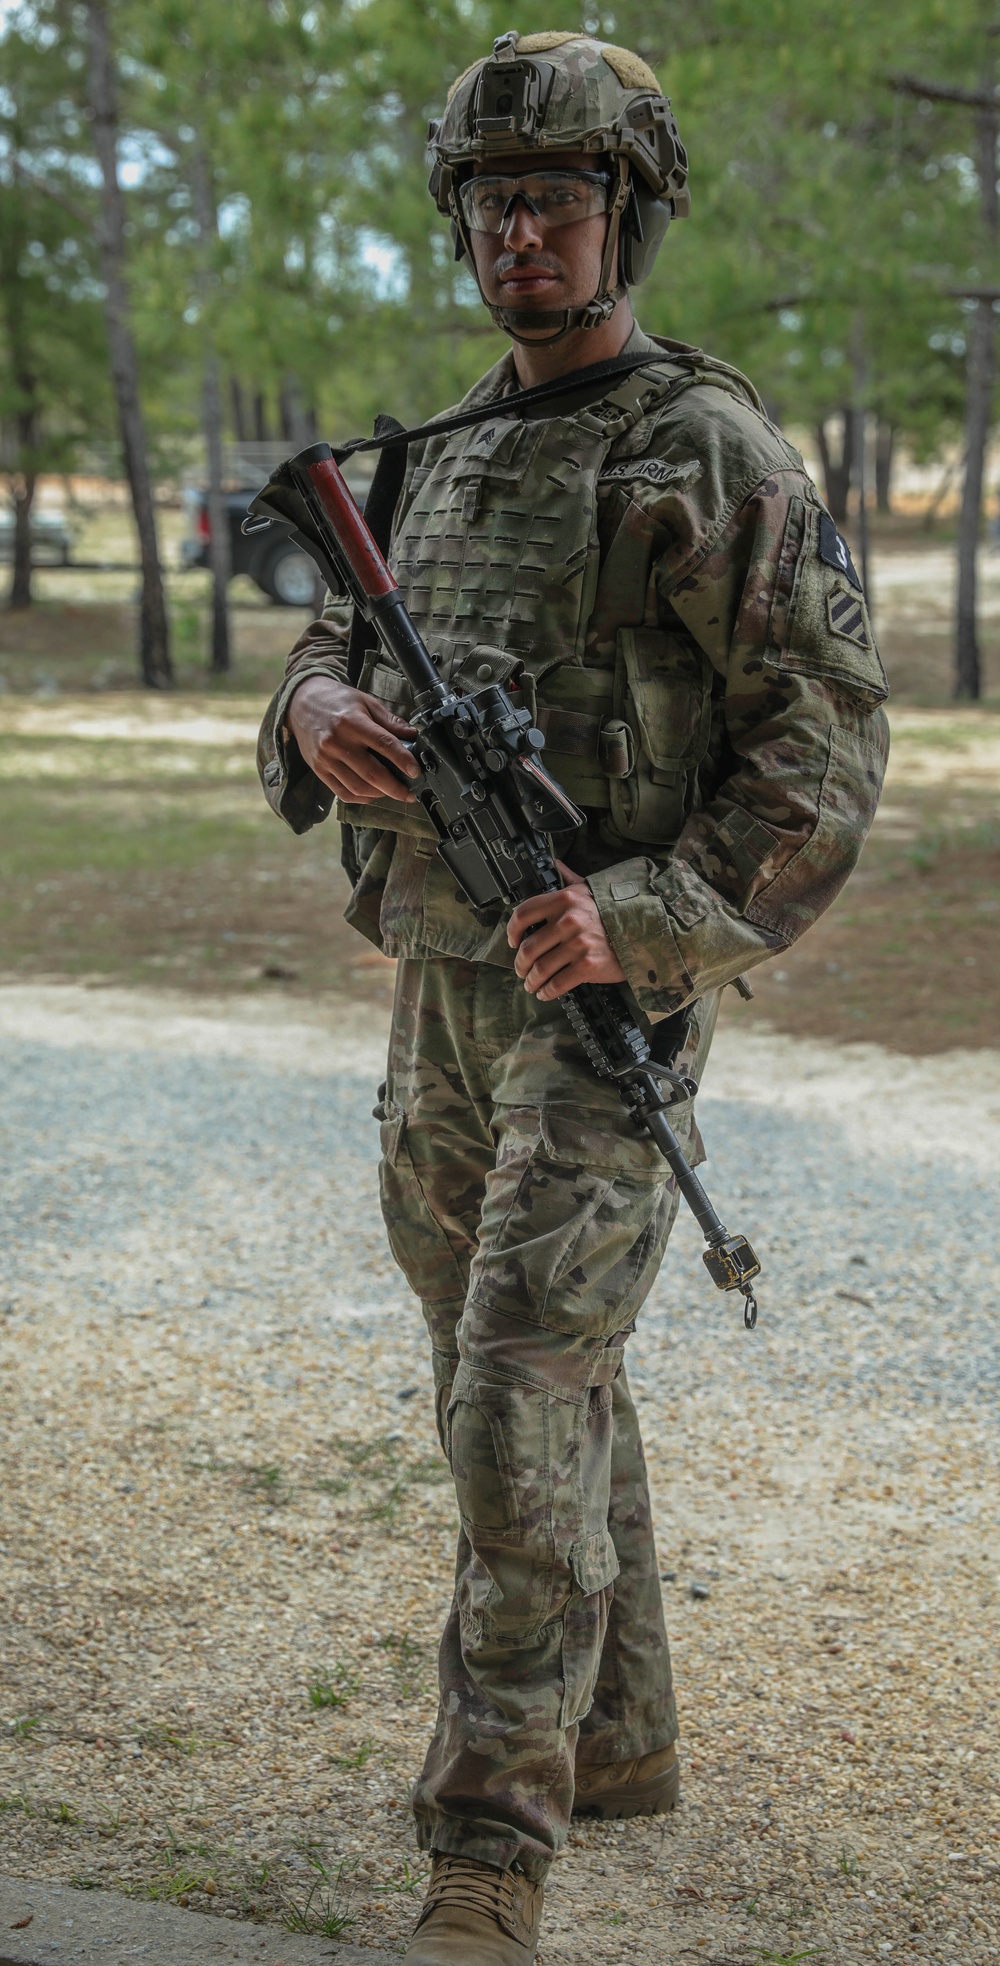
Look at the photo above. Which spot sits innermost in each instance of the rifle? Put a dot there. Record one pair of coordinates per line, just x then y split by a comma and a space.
493, 805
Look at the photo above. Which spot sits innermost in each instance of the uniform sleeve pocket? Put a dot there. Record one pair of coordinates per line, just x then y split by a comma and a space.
819, 624
663, 697
384, 680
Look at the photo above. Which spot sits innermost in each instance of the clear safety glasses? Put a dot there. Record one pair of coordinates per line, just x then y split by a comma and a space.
553, 197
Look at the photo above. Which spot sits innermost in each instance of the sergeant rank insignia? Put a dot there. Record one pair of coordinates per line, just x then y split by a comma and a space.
846, 615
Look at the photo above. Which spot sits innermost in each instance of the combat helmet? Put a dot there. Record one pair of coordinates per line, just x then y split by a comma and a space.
552, 92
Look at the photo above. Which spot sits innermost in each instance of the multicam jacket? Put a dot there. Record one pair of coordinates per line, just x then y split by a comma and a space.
654, 573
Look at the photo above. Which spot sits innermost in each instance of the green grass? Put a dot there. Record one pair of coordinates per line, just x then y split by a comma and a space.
333, 1689
374, 1458
23, 1726
388, 1506
405, 1656
167, 1741
54, 828
765, 1958
269, 1485
359, 1759
381, 1460
407, 1885
178, 1883
325, 1907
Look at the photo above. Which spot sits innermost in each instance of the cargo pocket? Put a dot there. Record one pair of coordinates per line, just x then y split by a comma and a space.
664, 699
569, 1219
477, 1456
594, 1565
511, 1447
419, 1240
819, 624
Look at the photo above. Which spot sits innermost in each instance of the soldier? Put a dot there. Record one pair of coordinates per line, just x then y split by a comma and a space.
650, 565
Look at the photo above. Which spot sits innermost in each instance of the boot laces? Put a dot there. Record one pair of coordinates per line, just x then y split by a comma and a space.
464, 1883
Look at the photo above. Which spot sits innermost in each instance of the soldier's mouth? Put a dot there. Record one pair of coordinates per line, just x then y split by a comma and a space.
530, 279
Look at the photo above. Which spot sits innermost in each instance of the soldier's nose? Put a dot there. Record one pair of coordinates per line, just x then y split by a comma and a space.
522, 231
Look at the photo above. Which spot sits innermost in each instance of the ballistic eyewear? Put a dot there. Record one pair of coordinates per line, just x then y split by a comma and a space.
553, 197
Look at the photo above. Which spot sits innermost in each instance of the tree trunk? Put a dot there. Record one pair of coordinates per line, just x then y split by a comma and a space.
885, 444
26, 419
837, 471
23, 480
286, 412
859, 451
154, 632
981, 372
220, 558
22, 490
860, 447
260, 418
979, 403
238, 403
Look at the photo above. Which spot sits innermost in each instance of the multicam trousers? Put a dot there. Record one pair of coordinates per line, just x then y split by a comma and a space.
530, 1218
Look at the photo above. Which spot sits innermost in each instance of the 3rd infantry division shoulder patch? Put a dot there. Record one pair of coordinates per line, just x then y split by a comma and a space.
846, 616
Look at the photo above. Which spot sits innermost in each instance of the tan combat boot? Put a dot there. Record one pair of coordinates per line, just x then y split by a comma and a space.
647, 1786
476, 1915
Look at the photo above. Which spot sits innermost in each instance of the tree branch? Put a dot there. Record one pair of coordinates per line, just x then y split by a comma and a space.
79, 212
911, 85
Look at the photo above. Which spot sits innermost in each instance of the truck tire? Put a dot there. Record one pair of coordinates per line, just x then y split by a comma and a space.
288, 576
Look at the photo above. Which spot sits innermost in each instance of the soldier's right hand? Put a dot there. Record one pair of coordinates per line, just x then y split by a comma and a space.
343, 734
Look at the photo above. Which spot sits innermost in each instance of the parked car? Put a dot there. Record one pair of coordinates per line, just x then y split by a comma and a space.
279, 567
51, 539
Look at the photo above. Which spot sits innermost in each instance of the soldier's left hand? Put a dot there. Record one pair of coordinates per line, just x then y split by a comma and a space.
560, 940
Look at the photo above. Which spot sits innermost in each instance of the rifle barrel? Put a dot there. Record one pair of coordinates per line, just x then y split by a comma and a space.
376, 586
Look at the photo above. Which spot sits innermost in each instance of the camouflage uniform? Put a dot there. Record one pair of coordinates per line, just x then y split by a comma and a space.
658, 574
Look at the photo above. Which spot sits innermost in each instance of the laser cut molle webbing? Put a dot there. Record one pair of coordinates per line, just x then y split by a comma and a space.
498, 542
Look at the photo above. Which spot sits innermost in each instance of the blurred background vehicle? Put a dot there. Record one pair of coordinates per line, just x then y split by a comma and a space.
273, 561
279, 567
51, 539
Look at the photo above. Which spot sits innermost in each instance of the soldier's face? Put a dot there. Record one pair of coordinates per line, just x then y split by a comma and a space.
530, 264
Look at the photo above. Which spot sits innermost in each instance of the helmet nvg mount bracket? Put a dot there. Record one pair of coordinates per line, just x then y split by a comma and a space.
547, 93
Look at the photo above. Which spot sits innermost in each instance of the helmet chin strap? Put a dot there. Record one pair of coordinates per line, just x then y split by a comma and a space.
563, 320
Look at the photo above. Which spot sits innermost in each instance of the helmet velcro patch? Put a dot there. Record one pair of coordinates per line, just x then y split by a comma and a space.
631, 70
539, 44
459, 79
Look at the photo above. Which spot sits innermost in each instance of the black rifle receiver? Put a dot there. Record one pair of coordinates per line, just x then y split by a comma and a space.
493, 805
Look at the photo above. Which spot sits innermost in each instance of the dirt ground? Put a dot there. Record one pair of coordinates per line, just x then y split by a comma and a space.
226, 1539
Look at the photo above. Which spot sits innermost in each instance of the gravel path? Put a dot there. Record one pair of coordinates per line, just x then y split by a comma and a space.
226, 1541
